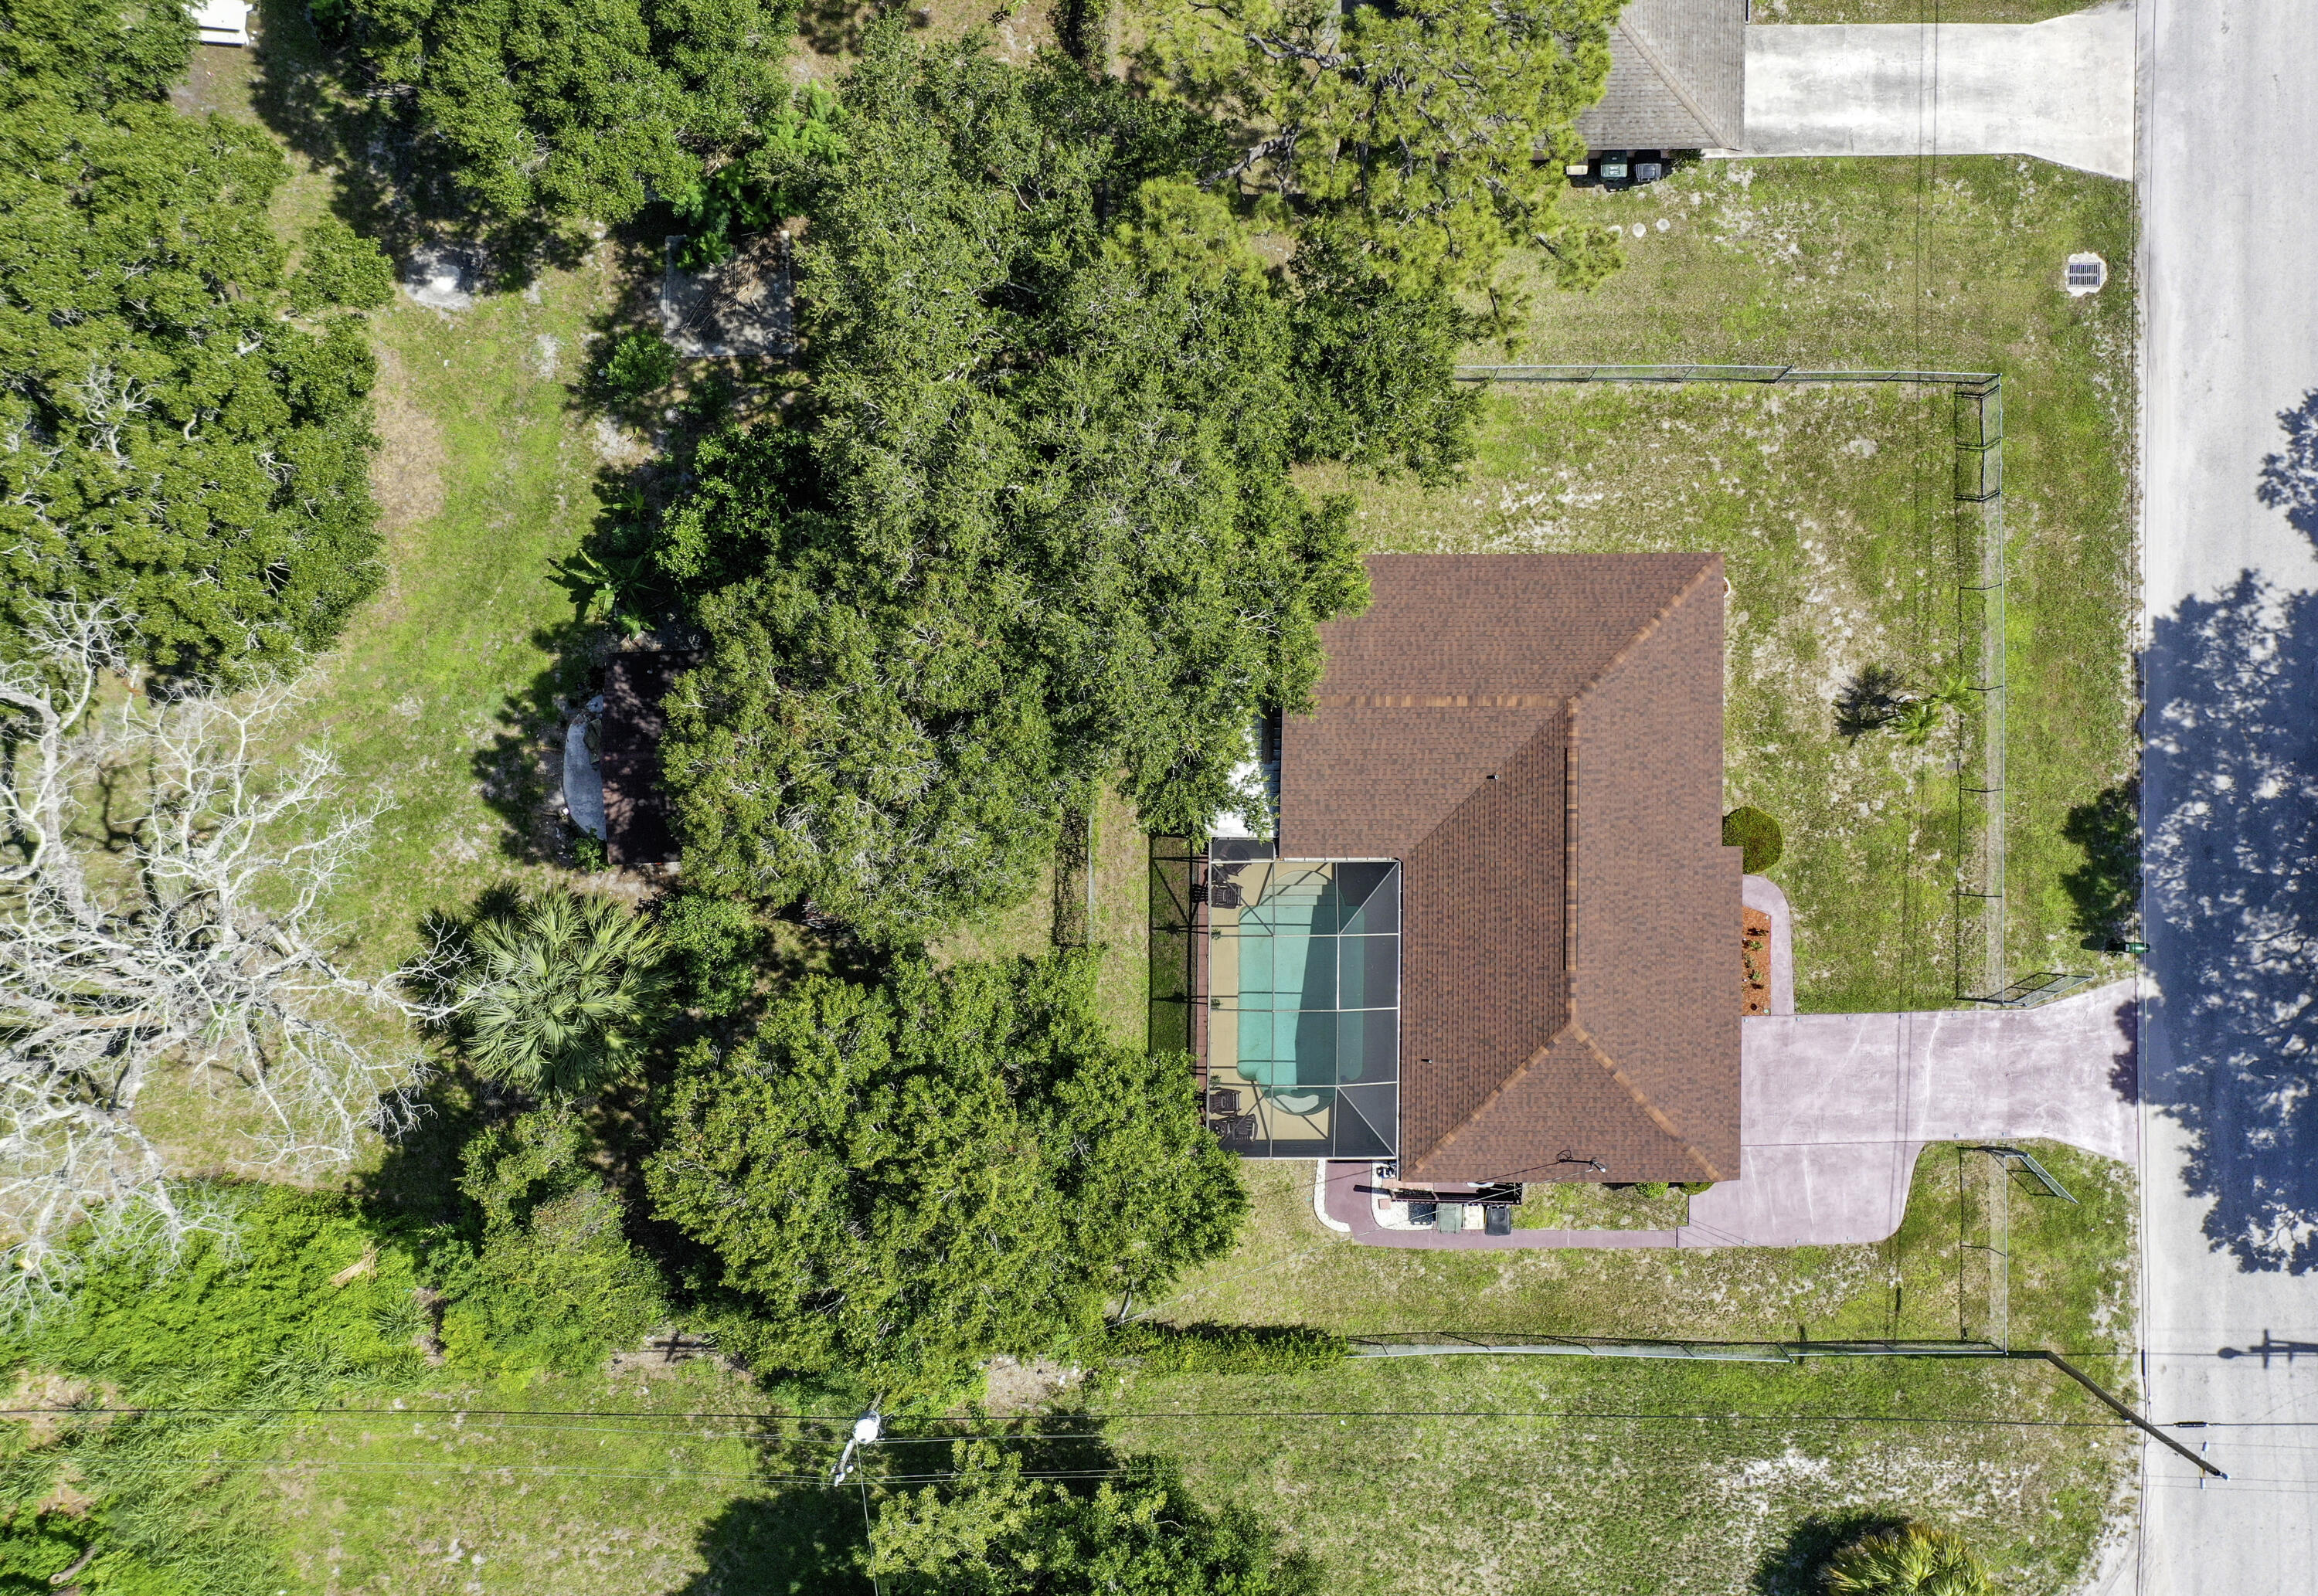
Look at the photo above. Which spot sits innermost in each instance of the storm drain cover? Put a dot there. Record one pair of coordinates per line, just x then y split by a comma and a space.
2085, 275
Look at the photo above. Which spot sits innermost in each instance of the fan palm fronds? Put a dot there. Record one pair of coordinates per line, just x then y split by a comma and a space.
559, 994
1913, 1560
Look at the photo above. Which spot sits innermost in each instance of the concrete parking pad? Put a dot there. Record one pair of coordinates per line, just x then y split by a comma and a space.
2062, 90
1834, 1108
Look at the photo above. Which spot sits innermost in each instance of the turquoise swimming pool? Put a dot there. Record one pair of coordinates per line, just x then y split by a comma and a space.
1304, 999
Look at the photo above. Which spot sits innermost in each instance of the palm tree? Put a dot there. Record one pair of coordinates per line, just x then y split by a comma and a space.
1913, 1560
558, 992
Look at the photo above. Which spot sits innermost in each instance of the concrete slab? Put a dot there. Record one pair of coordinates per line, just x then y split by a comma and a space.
1834, 1108
2061, 90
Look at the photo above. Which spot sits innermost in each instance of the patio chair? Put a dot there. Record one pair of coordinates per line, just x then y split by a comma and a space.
1237, 1131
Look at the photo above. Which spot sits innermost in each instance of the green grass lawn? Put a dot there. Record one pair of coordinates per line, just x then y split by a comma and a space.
1527, 1474
1928, 1282
1834, 508
666, 1482
1488, 1473
1552, 1476
443, 692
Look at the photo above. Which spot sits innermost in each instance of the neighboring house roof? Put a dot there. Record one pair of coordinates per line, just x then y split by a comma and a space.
636, 812
1538, 738
1678, 78
221, 22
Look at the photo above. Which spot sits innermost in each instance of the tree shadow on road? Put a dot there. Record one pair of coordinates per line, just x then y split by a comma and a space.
2229, 784
2290, 477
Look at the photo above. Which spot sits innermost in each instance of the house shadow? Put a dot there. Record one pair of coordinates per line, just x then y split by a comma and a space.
2230, 861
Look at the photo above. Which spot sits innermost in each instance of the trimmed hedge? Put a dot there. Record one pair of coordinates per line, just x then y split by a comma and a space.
1223, 1348
1758, 834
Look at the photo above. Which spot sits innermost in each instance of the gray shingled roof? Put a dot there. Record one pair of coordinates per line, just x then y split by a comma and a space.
1678, 78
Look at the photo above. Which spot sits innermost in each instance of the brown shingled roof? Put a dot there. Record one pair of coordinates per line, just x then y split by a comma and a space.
1538, 738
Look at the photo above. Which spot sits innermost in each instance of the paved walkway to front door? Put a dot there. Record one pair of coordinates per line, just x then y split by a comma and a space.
2061, 89
1834, 1110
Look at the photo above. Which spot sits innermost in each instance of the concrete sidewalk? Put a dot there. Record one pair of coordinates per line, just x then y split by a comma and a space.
2062, 90
1834, 1110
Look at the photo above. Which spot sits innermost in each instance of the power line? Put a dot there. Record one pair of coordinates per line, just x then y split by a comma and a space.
1003, 1428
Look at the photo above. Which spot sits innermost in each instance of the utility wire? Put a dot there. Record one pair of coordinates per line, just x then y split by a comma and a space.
1001, 1428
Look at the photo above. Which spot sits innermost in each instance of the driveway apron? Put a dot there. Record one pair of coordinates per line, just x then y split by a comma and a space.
2061, 89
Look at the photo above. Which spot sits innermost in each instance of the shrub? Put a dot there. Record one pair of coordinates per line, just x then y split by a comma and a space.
990, 1531
294, 1302
641, 364
1757, 833
1913, 1560
1224, 1348
550, 1282
340, 267
715, 946
287, 1274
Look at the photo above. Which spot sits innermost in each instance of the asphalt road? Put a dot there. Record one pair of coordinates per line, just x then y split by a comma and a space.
2228, 98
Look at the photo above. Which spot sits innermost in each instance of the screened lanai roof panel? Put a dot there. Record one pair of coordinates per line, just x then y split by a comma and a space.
1303, 1019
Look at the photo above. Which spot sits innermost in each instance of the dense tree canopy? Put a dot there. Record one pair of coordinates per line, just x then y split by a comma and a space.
575, 109
1430, 133
902, 1179
89, 54
168, 438
991, 1532
1033, 523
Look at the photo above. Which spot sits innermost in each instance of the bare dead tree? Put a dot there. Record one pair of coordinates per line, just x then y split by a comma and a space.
201, 950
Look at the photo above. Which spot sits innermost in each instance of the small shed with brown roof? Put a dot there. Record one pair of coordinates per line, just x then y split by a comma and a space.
1537, 740
1678, 78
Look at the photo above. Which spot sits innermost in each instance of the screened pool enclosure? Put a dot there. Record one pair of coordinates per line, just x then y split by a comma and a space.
1303, 1023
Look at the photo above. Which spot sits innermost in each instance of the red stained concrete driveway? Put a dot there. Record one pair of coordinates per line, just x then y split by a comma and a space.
1834, 1108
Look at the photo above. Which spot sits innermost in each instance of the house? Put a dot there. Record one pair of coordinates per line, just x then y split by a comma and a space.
1497, 939
1678, 78
221, 22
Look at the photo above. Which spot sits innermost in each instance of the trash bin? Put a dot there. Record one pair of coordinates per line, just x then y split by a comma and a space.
1498, 1219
